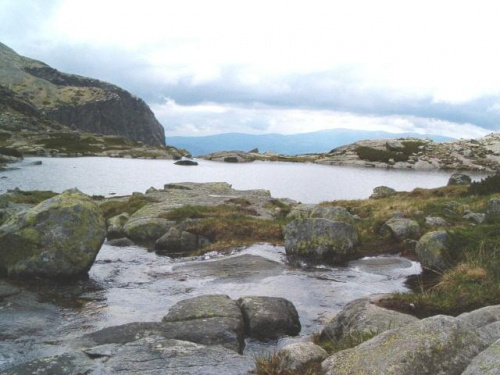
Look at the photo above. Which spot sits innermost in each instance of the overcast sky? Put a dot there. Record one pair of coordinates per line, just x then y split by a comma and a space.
218, 66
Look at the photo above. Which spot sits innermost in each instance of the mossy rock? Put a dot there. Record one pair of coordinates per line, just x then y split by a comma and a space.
60, 237
432, 251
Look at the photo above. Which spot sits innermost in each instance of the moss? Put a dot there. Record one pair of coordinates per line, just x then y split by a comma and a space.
115, 207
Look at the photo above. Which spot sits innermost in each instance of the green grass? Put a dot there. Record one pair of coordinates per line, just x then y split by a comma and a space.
114, 207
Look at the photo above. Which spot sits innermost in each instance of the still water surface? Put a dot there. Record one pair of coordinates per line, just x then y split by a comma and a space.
307, 183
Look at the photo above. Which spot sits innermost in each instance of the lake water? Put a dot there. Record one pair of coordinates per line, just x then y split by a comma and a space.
307, 183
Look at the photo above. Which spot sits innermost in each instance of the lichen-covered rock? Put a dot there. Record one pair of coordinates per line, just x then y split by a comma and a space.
432, 250
321, 239
459, 179
437, 345
476, 217
59, 237
147, 229
436, 221
178, 241
363, 317
382, 192
300, 354
401, 228
485, 320
486, 363
116, 224
333, 213
269, 317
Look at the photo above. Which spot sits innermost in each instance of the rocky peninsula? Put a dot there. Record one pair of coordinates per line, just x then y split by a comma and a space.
481, 154
448, 323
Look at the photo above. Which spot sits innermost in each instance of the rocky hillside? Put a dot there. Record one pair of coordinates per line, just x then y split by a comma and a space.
481, 154
36, 97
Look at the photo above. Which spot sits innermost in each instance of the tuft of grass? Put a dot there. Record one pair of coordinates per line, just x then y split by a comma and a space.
275, 364
354, 338
114, 207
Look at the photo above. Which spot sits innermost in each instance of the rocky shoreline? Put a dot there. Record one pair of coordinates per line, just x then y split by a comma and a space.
481, 154
45, 235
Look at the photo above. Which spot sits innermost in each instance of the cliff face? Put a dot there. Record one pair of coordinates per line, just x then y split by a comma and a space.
77, 102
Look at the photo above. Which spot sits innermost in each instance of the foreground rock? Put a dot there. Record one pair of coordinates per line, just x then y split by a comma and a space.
486, 321
363, 317
151, 355
486, 363
436, 345
320, 239
300, 354
60, 237
432, 251
269, 317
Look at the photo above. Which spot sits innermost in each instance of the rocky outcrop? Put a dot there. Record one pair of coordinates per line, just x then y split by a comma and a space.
320, 239
486, 363
432, 251
436, 345
269, 317
51, 97
59, 237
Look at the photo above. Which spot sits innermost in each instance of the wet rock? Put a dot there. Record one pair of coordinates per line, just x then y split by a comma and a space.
121, 242
242, 267
432, 251
116, 224
59, 237
459, 179
177, 241
363, 317
486, 363
436, 221
382, 192
476, 217
186, 162
147, 229
320, 239
36, 162
401, 229
436, 345
300, 354
269, 317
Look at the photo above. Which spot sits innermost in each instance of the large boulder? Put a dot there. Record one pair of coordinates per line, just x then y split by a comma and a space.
459, 179
147, 229
59, 237
432, 251
486, 363
437, 345
269, 317
401, 228
321, 239
363, 317
382, 192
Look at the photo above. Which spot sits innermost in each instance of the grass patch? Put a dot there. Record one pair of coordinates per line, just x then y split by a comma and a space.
133, 204
486, 186
472, 282
30, 197
201, 212
275, 364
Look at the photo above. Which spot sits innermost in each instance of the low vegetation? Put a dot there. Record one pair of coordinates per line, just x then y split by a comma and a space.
348, 341
115, 207
71, 143
378, 155
275, 364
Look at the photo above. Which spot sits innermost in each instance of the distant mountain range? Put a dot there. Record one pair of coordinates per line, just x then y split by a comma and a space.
314, 142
